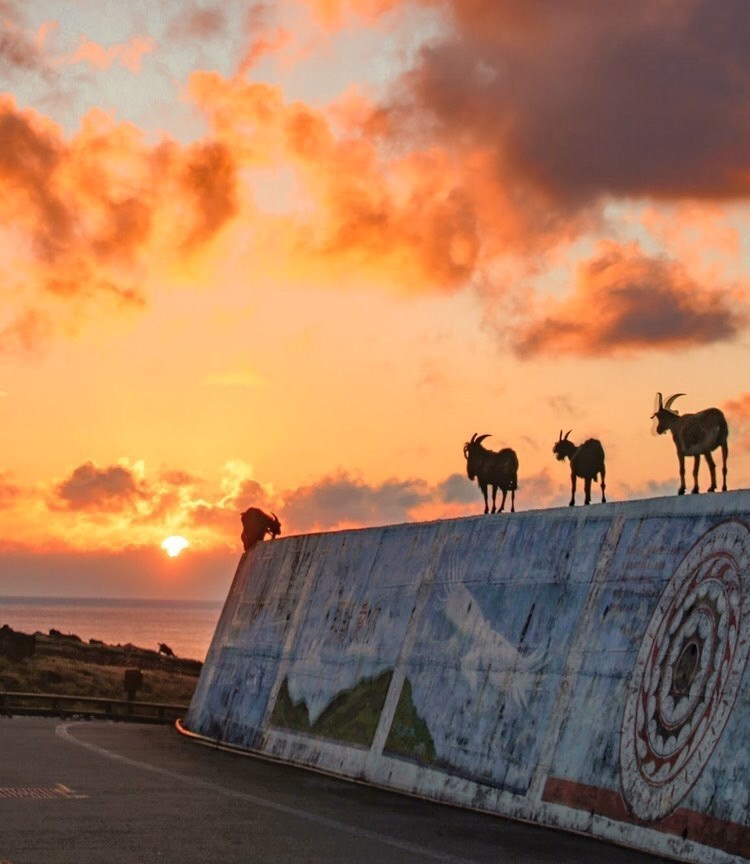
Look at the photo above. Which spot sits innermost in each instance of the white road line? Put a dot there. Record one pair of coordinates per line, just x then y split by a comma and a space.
63, 731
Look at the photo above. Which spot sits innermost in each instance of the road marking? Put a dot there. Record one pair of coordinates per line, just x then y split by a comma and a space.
38, 792
63, 731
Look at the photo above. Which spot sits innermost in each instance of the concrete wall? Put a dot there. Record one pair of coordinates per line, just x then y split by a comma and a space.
579, 667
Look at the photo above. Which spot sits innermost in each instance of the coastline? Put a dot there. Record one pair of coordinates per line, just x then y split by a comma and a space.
186, 626
64, 664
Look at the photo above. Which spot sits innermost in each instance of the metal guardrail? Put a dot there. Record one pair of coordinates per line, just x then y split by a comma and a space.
57, 705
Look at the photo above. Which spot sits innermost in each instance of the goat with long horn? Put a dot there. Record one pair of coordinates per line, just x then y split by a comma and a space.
496, 469
695, 435
256, 524
586, 462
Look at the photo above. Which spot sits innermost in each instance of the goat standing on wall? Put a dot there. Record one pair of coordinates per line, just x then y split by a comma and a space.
586, 462
498, 470
256, 524
695, 435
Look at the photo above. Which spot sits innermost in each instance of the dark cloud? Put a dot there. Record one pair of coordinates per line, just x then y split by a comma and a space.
343, 501
582, 99
457, 489
625, 300
125, 229
209, 179
539, 490
652, 489
534, 490
29, 157
198, 21
98, 489
19, 53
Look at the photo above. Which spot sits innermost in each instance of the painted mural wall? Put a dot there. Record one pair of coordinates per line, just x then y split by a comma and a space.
584, 668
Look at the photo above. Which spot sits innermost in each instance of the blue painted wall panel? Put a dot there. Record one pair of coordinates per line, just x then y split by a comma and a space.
582, 667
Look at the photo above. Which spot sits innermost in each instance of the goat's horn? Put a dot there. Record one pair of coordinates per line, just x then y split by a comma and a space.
566, 434
661, 405
274, 516
473, 438
668, 403
481, 438
560, 438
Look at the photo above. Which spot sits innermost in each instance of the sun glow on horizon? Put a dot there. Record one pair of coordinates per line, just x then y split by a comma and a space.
174, 544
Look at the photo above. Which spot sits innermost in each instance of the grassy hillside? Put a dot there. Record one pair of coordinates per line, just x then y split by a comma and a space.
71, 667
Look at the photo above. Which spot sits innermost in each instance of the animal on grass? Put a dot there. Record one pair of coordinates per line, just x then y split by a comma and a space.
256, 524
166, 650
498, 470
586, 462
695, 435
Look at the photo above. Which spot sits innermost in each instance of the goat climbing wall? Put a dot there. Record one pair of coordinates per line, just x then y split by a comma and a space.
584, 668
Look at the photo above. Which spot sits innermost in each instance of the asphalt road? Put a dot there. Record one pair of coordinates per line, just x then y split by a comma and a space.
96, 792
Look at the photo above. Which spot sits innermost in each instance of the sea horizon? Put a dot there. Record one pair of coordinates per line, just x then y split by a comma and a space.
74, 598
187, 626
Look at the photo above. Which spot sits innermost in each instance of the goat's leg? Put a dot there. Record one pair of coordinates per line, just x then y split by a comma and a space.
724, 457
696, 464
712, 471
494, 499
587, 490
572, 490
513, 500
681, 460
502, 503
483, 487
602, 483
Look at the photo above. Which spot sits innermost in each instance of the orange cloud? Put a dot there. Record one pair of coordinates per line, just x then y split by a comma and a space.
263, 40
119, 506
208, 180
84, 220
406, 218
127, 54
546, 118
471, 163
625, 300
333, 14
9, 491
262, 47
115, 506
695, 231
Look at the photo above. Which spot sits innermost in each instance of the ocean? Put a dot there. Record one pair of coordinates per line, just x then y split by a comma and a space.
186, 626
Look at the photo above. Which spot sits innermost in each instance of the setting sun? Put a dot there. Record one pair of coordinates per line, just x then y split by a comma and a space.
227, 228
174, 545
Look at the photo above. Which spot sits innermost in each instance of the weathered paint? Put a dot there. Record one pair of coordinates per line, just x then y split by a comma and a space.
583, 668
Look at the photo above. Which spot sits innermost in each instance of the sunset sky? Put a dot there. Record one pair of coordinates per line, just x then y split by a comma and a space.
294, 254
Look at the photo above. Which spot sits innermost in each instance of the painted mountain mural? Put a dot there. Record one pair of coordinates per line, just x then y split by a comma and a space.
353, 716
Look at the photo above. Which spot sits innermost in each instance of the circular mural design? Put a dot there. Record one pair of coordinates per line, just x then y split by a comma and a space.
687, 673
